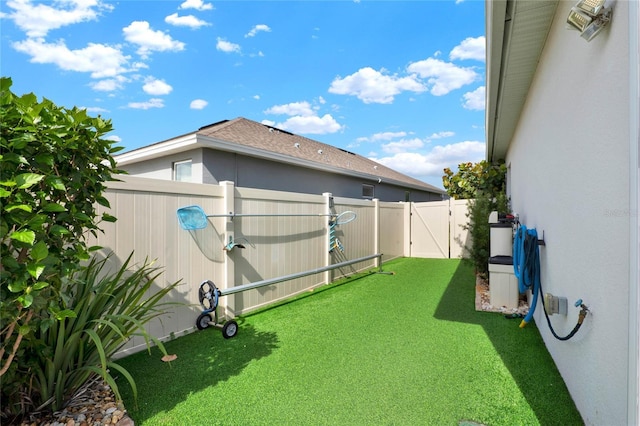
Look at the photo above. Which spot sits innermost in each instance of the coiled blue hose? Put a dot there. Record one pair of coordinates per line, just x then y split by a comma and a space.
526, 265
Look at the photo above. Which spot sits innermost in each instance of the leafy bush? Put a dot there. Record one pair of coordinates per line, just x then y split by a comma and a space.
485, 185
478, 213
53, 163
471, 178
60, 323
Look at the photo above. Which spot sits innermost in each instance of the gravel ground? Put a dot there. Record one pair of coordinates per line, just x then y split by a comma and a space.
96, 405
483, 297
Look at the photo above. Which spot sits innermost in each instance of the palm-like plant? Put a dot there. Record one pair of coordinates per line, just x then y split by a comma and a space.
110, 309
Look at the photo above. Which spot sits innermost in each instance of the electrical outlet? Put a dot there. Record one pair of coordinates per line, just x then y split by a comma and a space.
555, 304
551, 303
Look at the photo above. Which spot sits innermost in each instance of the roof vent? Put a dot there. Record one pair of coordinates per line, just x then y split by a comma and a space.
319, 151
297, 145
375, 167
270, 129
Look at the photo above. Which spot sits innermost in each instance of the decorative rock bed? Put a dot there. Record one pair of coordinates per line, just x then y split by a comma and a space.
95, 405
483, 300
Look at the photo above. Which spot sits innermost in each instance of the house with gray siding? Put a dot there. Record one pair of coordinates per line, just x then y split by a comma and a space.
254, 155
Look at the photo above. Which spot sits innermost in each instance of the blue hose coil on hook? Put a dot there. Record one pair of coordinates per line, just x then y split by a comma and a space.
526, 265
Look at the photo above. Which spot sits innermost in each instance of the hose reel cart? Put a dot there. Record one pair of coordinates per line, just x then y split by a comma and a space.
193, 218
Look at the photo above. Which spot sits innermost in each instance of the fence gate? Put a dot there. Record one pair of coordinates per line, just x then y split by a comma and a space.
438, 229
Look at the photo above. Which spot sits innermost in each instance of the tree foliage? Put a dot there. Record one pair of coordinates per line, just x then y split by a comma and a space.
54, 162
485, 185
62, 317
472, 178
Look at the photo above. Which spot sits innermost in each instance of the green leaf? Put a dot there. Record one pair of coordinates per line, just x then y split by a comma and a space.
45, 158
25, 236
22, 207
17, 286
108, 218
39, 251
53, 208
103, 201
35, 269
4, 193
24, 330
40, 285
27, 180
55, 182
37, 221
65, 313
59, 230
26, 300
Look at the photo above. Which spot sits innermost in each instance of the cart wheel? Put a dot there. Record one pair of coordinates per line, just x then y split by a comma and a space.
208, 295
203, 321
230, 329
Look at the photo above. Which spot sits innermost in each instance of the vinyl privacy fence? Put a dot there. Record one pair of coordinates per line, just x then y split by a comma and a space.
275, 245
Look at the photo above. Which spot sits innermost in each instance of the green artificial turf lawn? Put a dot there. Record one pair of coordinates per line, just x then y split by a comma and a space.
405, 349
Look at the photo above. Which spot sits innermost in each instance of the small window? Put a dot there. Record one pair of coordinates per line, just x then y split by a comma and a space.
367, 191
182, 171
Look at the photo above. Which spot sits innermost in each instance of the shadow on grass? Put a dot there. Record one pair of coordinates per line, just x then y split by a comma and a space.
522, 350
205, 358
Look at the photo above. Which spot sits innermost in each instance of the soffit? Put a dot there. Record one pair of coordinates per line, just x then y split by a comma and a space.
512, 57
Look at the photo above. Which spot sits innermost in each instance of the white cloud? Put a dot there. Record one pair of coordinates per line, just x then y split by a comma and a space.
443, 77
148, 40
256, 97
403, 145
99, 59
256, 29
151, 103
433, 163
196, 4
387, 136
185, 21
114, 138
95, 110
155, 87
198, 104
470, 48
294, 108
474, 100
440, 135
310, 124
110, 84
373, 86
227, 47
36, 20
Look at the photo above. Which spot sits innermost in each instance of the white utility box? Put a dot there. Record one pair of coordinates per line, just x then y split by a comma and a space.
503, 286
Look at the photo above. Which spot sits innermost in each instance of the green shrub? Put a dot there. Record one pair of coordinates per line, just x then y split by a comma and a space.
483, 184
478, 213
53, 165
60, 323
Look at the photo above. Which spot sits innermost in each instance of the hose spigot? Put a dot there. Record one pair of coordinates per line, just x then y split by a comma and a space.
584, 310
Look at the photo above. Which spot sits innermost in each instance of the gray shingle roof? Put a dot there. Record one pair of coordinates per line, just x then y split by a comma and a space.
252, 134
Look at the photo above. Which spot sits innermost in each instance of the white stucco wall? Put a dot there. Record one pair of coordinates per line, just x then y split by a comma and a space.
569, 170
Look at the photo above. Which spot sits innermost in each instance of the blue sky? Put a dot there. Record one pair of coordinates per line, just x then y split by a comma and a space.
400, 82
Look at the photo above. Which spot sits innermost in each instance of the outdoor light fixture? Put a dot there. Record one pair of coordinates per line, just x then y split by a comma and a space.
589, 17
